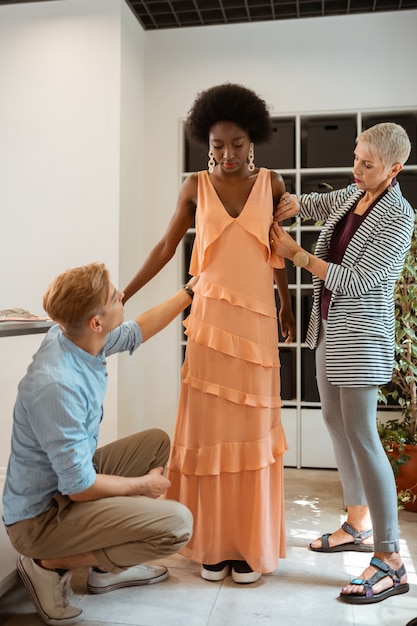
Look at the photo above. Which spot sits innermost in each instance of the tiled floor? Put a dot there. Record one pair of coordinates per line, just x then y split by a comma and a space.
301, 592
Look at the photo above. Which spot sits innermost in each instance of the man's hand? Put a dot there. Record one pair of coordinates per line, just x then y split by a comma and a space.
155, 319
155, 484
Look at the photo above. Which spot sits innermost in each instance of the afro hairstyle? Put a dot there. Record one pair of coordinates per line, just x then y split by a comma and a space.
228, 103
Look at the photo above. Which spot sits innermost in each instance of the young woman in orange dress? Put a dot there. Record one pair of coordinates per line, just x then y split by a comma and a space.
226, 463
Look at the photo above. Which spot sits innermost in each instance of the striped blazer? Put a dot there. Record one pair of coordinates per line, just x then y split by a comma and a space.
360, 335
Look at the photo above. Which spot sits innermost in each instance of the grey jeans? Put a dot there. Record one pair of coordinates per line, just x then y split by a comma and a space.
121, 531
365, 472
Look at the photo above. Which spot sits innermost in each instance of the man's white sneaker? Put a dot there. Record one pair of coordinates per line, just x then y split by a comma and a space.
49, 592
102, 582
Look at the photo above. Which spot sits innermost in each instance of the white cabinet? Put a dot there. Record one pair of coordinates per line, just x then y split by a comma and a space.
313, 152
316, 449
290, 424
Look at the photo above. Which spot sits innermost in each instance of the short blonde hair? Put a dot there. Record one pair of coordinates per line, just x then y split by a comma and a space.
76, 295
389, 141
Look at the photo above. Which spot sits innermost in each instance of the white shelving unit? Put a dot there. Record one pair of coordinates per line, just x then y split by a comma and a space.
311, 152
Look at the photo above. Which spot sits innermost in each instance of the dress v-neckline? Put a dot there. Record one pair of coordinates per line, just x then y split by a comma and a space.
233, 217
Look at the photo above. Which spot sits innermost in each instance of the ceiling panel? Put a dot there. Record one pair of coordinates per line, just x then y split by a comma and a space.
160, 14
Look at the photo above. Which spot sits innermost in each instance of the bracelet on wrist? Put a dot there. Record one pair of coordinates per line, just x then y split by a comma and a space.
301, 259
188, 290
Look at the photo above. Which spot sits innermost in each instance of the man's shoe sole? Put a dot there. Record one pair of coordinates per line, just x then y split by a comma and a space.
128, 583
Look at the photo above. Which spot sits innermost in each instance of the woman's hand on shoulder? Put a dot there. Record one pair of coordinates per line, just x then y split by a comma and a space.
287, 206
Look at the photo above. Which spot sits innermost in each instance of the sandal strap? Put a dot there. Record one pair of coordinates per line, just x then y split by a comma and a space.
325, 541
384, 570
357, 536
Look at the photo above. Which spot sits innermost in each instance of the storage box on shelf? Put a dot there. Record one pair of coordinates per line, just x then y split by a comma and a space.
327, 141
279, 153
313, 152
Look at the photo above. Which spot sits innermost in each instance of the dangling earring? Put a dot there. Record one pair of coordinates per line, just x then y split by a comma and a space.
211, 162
251, 158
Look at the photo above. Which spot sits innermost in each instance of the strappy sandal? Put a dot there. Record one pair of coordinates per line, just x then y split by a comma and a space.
369, 597
352, 546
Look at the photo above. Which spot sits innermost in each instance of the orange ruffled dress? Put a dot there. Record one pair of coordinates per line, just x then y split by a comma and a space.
226, 462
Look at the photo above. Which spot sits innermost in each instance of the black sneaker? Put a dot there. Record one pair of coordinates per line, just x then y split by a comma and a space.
242, 573
215, 572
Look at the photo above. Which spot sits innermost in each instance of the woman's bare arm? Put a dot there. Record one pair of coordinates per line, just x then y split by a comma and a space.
165, 249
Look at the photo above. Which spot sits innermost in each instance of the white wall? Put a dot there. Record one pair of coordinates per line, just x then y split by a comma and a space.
132, 182
317, 64
67, 169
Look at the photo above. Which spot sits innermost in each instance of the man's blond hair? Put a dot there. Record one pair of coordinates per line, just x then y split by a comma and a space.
76, 295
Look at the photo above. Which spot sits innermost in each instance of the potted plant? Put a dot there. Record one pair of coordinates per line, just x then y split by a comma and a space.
398, 435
